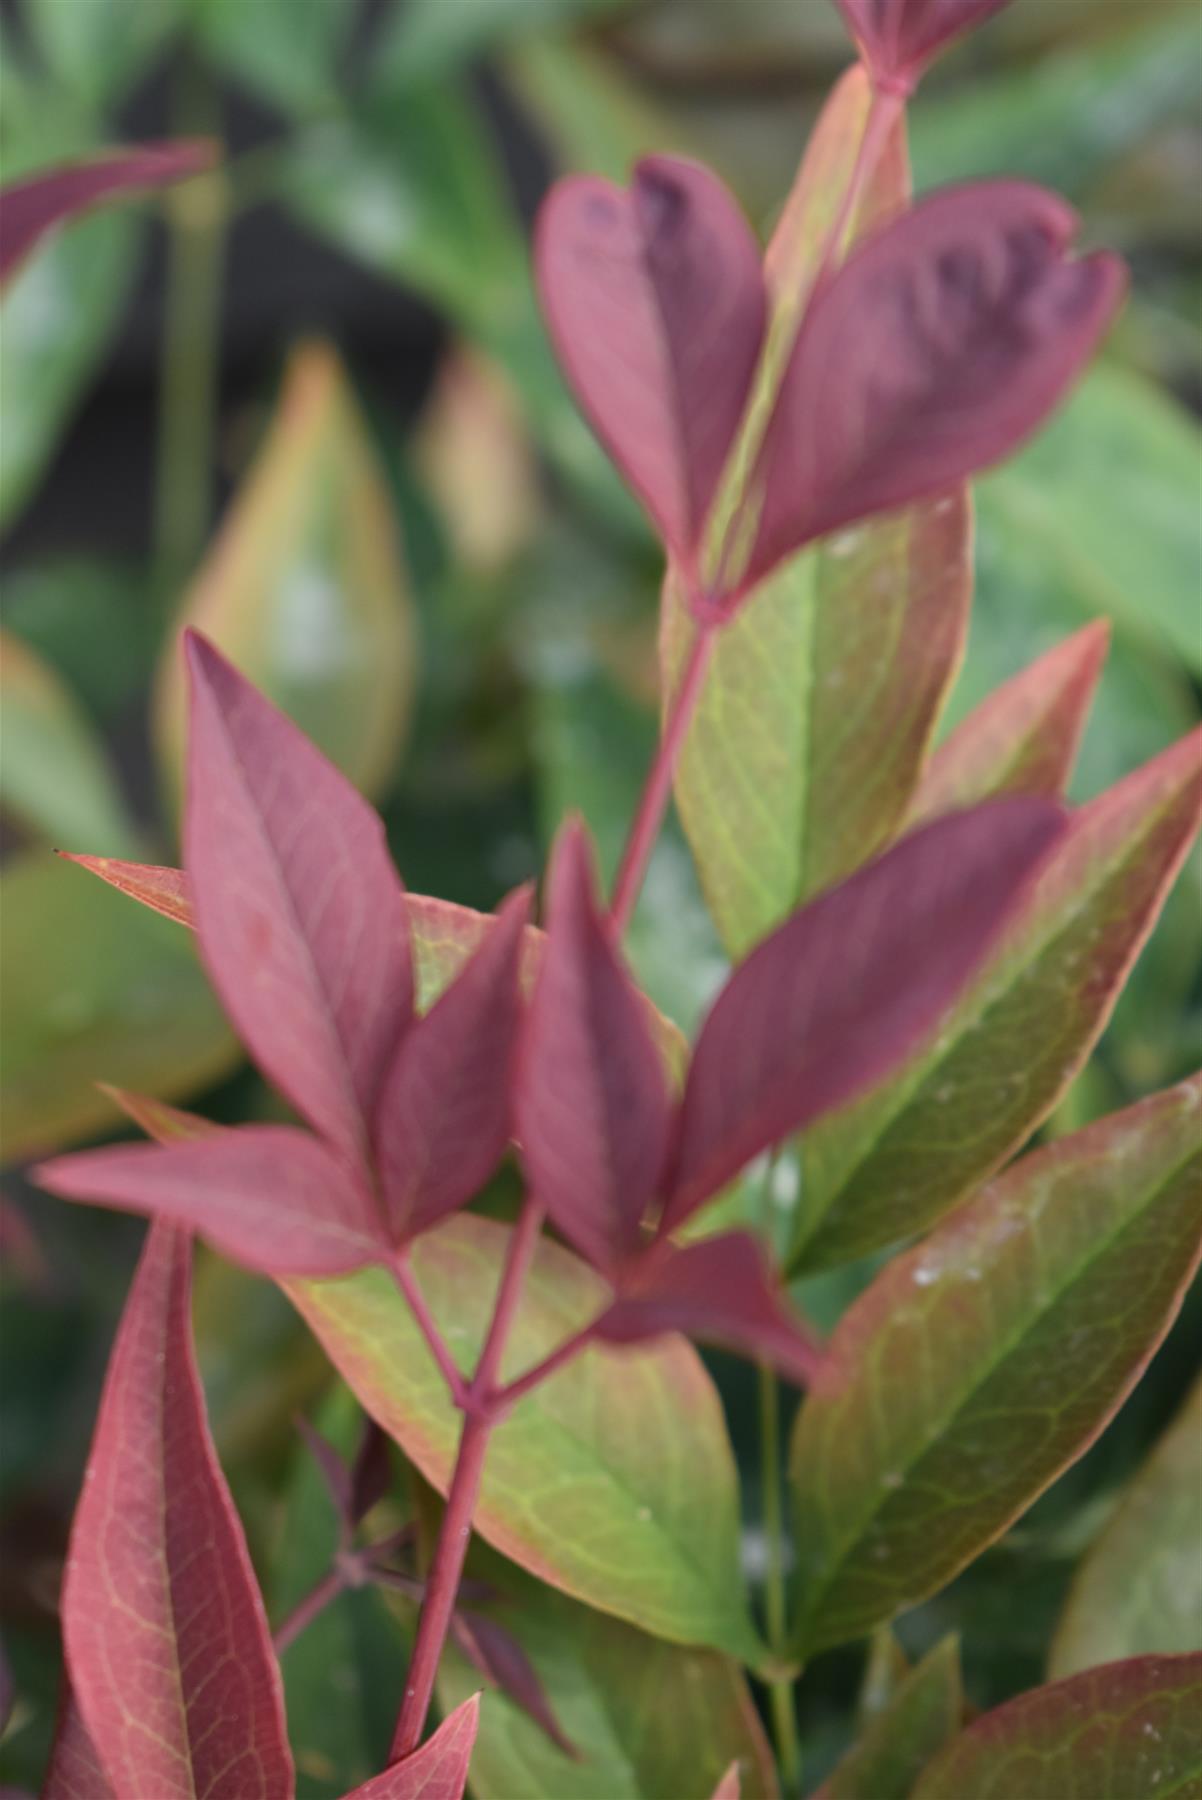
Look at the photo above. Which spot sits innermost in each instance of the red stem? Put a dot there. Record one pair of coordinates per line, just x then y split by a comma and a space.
407, 1282
653, 801
303, 1614
455, 1533
506, 1397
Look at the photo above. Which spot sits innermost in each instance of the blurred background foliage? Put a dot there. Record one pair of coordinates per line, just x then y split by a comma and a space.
306, 402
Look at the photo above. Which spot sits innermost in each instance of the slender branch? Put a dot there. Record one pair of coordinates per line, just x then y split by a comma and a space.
407, 1282
196, 220
506, 1397
653, 801
332, 1583
455, 1534
780, 1690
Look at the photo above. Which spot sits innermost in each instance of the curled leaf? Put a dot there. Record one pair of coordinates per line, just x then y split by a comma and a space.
655, 302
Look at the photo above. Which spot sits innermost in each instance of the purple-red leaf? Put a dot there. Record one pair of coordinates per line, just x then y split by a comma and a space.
371, 1471
848, 985
498, 1656
300, 912
898, 38
34, 206
729, 1788
438, 1771
166, 1639
166, 891
335, 1476
655, 303
718, 1290
443, 1116
592, 1104
269, 1196
938, 347
74, 1771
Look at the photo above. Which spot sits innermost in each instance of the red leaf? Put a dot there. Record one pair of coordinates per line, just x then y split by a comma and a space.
34, 206
165, 891
300, 912
846, 987
499, 1657
443, 1116
898, 38
166, 1640
655, 303
74, 1771
938, 347
729, 1787
438, 1771
269, 1196
1023, 739
718, 1290
592, 1104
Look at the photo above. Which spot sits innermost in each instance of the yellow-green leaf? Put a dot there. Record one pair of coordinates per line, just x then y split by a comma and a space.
305, 589
1139, 1588
978, 1367
923, 1715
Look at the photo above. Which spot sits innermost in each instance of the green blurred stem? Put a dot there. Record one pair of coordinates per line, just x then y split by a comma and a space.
196, 229
780, 1691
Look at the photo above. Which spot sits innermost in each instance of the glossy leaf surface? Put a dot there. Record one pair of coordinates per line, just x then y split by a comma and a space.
438, 1771
843, 990
938, 347
823, 690
270, 1196
299, 908
177, 1685
613, 1480
1024, 738
592, 1103
891, 1163
1128, 1728
308, 553
655, 303
1031, 1314
922, 1716
1139, 1588
600, 1675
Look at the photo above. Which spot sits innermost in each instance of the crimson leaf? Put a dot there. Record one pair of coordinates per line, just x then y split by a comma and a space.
655, 302
847, 986
593, 1112
74, 1771
496, 1653
937, 348
300, 912
438, 1771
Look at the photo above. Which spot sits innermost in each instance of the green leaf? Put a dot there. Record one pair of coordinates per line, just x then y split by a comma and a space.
54, 775
94, 989
429, 37
99, 49
824, 691
890, 1164
1109, 491
285, 50
614, 1480
978, 1367
305, 589
1128, 1730
923, 1715
648, 1718
343, 1674
1139, 1588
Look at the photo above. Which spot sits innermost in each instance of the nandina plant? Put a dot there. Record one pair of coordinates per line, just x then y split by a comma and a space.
917, 977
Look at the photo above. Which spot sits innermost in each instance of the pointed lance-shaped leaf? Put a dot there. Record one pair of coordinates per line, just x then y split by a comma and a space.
37, 204
300, 912
593, 1113
500, 1658
165, 1634
166, 891
443, 1118
899, 38
939, 346
717, 1290
729, 1788
74, 1771
1127, 1729
269, 1196
438, 1771
655, 303
1023, 739
845, 988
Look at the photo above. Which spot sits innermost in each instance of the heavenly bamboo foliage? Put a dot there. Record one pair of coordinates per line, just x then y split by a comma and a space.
1043, 1299
74, 1771
922, 1716
178, 1687
53, 197
438, 1771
